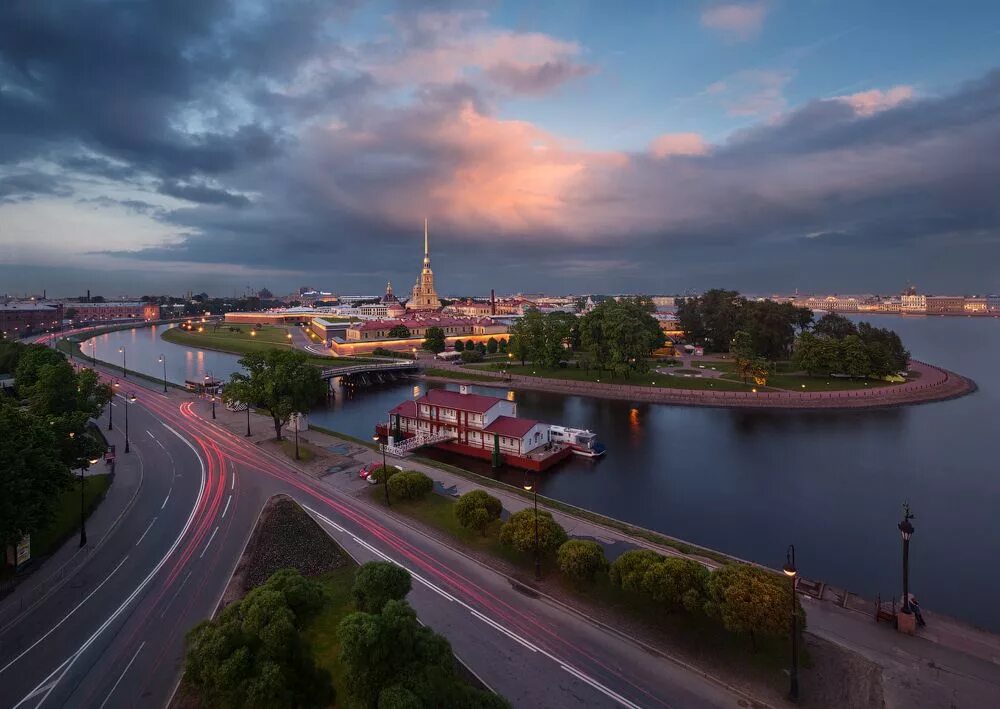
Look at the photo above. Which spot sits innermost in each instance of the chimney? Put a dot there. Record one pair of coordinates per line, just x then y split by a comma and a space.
88, 295
493, 301
44, 297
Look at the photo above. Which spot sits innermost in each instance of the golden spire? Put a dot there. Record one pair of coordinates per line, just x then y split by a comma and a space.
427, 254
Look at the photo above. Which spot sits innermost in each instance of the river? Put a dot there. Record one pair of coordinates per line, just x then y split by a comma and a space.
751, 482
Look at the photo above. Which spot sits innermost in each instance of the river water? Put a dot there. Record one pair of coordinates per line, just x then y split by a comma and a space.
751, 482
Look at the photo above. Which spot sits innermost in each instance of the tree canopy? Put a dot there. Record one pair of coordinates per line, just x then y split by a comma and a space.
747, 599
476, 509
378, 582
253, 653
401, 331
620, 335
715, 317
281, 381
519, 532
434, 340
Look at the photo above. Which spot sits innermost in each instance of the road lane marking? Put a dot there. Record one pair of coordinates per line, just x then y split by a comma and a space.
68, 663
167, 497
209, 541
107, 578
228, 500
176, 593
150, 434
232, 481
107, 698
599, 687
509, 633
146, 532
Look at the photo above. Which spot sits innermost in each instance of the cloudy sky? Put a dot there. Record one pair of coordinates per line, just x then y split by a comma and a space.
579, 146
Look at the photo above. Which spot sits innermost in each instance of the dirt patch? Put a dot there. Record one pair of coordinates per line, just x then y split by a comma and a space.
839, 678
285, 537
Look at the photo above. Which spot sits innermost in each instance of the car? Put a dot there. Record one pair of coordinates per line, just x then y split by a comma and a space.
371, 478
366, 470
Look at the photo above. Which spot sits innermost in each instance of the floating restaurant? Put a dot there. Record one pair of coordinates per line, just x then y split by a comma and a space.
485, 427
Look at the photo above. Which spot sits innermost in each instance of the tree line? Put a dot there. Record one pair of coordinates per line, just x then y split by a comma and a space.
45, 434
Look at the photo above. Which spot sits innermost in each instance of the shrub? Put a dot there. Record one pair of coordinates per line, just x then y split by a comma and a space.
628, 570
377, 473
677, 583
472, 356
383, 352
459, 345
746, 599
378, 582
410, 485
476, 509
492, 346
581, 560
519, 532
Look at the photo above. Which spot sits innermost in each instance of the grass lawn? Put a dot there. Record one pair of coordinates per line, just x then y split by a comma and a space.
321, 635
66, 517
267, 338
795, 382
649, 379
306, 452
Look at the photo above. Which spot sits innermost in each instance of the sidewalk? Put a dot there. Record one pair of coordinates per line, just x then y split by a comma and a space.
948, 663
46, 575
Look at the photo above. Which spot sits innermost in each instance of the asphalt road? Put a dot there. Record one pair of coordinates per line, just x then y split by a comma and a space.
113, 634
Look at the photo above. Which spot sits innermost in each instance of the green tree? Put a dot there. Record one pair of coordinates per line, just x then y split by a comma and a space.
749, 600
434, 340
491, 345
519, 532
281, 381
581, 560
527, 336
885, 350
472, 356
394, 662
620, 335
30, 362
835, 326
31, 477
253, 654
743, 352
629, 569
378, 582
771, 326
410, 485
503, 345
854, 356
677, 583
459, 345
761, 370
476, 509
399, 331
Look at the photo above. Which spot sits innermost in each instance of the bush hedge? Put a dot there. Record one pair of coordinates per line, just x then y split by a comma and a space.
476, 509
410, 485
519, 532
581, 560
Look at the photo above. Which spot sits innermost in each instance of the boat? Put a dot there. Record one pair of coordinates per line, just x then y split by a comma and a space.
581, 441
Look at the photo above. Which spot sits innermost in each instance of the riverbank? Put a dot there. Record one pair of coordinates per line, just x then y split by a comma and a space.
930, 384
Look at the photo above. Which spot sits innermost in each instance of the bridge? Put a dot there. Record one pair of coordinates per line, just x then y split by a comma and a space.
404, 448
374, 368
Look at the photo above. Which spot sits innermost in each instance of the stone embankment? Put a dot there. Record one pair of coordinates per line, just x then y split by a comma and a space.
931, 384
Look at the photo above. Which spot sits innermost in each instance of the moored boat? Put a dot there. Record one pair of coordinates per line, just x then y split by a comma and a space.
580, 440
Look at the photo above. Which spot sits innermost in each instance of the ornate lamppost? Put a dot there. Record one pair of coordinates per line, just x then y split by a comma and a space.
906, 531
129, 398
124, 371
790, 572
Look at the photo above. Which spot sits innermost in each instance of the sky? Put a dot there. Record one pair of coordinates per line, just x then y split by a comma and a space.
569, 147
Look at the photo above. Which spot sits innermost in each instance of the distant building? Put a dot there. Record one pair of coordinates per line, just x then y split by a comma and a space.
993, 303
90, 312
20, 318
976, 305
664, 301
913, 303
424, 296
945, 305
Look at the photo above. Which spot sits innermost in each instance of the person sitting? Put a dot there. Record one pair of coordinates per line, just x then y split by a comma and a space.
915, 607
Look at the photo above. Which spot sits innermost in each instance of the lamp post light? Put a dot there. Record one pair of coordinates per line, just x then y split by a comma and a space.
163, 361
129, 398
385, 467
790, 572
906, 531
111, 406
213, 406
248, 434
533, 489
124, 372
83, 517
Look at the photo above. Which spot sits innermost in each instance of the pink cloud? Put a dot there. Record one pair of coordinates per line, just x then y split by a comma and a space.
678, 144
736, 20
868, 103
752, 92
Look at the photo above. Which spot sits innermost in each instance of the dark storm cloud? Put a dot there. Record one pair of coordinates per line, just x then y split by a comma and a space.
25, 186
203, 194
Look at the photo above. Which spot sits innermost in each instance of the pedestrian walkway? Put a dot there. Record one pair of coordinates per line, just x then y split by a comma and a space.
46, 575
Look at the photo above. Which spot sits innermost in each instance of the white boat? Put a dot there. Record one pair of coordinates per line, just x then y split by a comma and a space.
582, 441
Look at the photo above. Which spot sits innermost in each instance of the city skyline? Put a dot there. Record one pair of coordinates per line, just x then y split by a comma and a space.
764, 146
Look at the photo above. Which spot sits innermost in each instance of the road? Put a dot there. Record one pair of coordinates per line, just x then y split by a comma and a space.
113, 634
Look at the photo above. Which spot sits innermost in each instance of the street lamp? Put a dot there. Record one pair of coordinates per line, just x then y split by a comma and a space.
385, 467
790, 572
111, 406
163, 361
297, 435
213, 406
906, 531
129, 398
248, 420
83, 517
124, 372
533, 489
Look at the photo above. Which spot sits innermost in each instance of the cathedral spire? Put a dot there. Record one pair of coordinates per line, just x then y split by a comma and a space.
427, 253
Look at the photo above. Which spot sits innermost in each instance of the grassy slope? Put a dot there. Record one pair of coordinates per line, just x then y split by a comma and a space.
321, 635
604, 377
240, 343
66, 517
